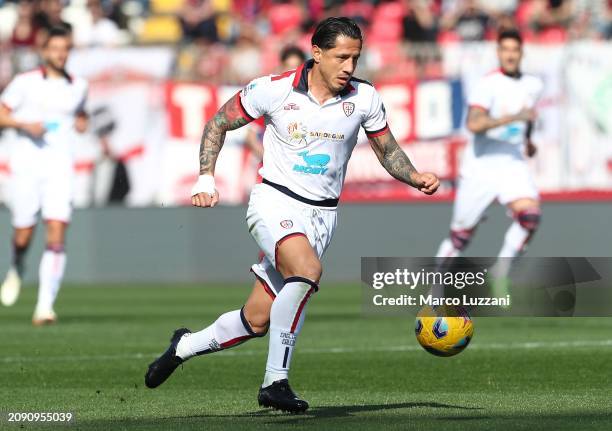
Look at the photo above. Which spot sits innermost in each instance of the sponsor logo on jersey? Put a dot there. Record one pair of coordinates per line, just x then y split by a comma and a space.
314, 163
287, 224
291, 107
348, 108
511, 131
297, 134
327, 135
51, 126
248, 88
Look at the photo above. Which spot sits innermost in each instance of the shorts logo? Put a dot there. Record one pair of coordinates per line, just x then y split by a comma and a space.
348, 108
315, 163
287, 224
291, 107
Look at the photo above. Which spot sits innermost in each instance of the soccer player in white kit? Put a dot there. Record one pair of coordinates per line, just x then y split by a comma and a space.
312, 116
501, 114
42, 109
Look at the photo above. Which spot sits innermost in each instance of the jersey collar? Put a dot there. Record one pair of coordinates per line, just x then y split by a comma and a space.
300, 80
516, 75
43, 70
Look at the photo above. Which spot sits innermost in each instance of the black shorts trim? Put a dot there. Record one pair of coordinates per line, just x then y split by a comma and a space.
326, 203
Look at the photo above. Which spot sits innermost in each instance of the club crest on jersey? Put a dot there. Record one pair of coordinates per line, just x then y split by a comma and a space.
348, 108
287, 224
291, 107
315, 163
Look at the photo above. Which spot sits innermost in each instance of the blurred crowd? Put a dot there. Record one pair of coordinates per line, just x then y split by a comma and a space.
232, 41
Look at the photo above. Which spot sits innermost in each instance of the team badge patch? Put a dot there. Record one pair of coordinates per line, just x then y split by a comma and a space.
287, 224
348, 107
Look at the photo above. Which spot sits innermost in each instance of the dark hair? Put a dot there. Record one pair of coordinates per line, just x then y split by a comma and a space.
290, 51
57, 31
510, 34
330, 28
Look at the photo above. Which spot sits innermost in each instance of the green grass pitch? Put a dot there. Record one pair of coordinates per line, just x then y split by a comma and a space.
357, 372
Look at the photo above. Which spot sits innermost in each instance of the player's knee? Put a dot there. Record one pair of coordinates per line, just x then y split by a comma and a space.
309, 268
22, 237
260, 330
529, 218
461, 238
256, 320
21, 241
56, 231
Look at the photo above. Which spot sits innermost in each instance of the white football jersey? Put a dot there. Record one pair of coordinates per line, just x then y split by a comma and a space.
35, 97
307, 145
501, 95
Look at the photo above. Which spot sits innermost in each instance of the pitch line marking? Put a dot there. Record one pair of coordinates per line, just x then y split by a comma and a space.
331, 350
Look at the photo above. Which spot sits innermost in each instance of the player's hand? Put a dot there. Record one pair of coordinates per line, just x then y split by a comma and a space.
526, 114
426, 182
531, 149
203, 193
35, 130
205, 200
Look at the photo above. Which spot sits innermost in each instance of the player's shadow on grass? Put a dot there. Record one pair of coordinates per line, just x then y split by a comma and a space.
329, 412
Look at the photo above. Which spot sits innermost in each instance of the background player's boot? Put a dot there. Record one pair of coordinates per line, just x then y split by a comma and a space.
9, 292
161, 368
43, 317
279, 396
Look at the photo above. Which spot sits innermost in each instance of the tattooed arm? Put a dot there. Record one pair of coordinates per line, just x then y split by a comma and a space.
397, 163
229, 117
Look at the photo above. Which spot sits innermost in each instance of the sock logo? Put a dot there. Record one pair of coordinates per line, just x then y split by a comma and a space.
214, 345
287, 339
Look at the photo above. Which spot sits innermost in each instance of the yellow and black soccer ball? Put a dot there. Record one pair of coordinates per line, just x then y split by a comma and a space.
444, 330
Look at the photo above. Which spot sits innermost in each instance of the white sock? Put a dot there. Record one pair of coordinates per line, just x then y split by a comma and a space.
51, 272
229, 330
514, 242
286, 320
447, 249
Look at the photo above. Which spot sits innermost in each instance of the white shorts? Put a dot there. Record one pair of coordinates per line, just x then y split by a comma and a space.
273, 216
42, 183
478, 188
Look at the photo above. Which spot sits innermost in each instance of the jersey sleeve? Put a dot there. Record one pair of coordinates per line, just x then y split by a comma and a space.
256, 98
536, 91
481, 96
375, 122
13, 94
80, 109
